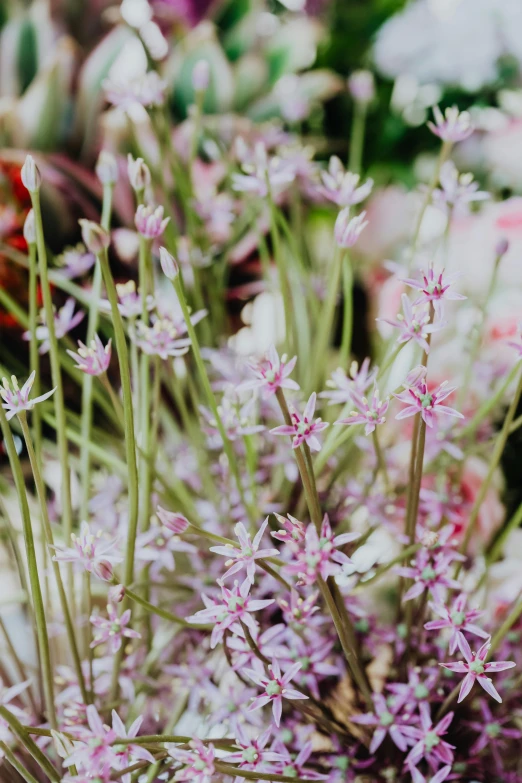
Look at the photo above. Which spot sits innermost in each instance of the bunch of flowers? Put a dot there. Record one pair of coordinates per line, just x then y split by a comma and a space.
237, 587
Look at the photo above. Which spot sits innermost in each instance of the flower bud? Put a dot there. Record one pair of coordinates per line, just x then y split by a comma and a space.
31, 176
347, 231
95, 238
103, 570
175, 522
139, 173
30, 228
107, 168
168, 263
501, 247
361, 85
201, 76
116, 594
63, 745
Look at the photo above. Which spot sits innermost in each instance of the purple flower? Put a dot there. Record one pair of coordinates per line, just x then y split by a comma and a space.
439, 777
130, 304
419, 399
158, 544
429, 572
147, 91
93, 360
96, 753
299, 611
342, 187
456, 618
303, 428
64, 321
76, 261
453, 125
428, 739
434, 288
261, 173
492, 733
347, 388
246, 556
319, 556
16, 399
253, 754
276, 688
129, 753
371, 413
199, 762
271, 374
457, 190
92, 552
162, 339
150, 222
361, 85
295, 768
235, 607
386, 721
293, 532
476, 668
174, 521
413, 325
347, 230
112, 629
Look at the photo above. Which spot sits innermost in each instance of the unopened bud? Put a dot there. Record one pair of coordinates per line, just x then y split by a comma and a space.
103, 570
201, 76
361, 85
95, 238
174, 521
63, 745
31, 176
168, 263
30, 228
107, 168
139, 173
501, 248
116, 594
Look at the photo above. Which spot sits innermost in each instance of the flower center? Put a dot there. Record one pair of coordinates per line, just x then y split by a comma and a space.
386, 719
428, 574
273, 688
290, 772
493, 730
270, 376
426, 400
458, 618
431, 740
477, 667
421, 692
250, 755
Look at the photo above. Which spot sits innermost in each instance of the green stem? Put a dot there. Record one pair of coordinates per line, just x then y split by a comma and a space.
32, 564
346, 342
357, 137
10, 756
48, 538
23, 736
34, 357
282, 270
506, 626
494, 462
130, 442
58, 397
20, 667
173, 618
211, 400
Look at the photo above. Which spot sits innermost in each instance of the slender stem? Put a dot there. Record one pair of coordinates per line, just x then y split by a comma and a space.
21, 733
22, 771
34, 356
328, 590
20, 667
48, 538
443, 155
211, 400
326, 322
173, 618
346, 341
507, 625
130, 443
357, 137
282, 270
494, 462
489, 404
32, 564
58, 397
380, 461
